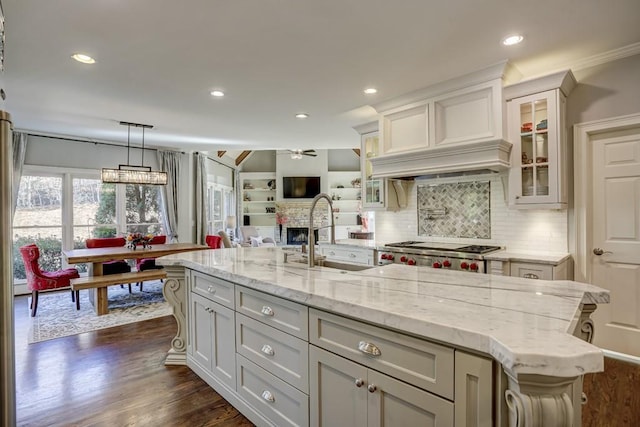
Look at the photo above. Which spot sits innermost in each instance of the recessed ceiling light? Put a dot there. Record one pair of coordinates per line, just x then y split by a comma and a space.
85, 59
511, 40
302, 116
370, 90
217, 93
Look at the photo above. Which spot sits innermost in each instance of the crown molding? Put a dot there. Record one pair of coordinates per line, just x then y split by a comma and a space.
604, 57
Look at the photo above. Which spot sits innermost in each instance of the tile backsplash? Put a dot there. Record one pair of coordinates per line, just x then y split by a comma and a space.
458, 209
516, 229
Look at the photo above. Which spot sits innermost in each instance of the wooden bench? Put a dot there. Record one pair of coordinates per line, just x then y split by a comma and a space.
97, 286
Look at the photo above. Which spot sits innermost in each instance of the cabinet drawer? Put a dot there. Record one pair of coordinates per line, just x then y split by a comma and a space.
212, 288
422, 363
354, 256
281, 403
285, 356
285, 315
532, 271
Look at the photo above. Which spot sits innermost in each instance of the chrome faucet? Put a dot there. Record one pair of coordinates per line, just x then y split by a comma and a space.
312, 237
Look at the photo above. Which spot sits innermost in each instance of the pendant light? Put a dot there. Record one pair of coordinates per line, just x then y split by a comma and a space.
131, 174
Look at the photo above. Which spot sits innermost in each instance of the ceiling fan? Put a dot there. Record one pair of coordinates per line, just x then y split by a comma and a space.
297, 154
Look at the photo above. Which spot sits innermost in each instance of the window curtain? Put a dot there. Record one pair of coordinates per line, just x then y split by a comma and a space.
170, 163
201, 198
19, 147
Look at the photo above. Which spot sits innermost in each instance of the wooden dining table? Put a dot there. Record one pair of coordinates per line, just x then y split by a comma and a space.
96, 256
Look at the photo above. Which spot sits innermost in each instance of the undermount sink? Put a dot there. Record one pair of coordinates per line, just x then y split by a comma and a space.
343, 265
323, 262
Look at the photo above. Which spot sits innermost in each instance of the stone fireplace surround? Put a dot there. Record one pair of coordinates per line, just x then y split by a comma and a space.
298, 235
296, 215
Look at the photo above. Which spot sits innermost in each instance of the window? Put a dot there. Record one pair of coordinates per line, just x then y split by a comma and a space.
38, 219
143, 209
221, 205
93, 209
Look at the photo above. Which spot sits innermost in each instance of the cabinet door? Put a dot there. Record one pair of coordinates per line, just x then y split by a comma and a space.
405, 129
394, 403
534, 130
338, 390
201, 336
474, 391
372, 189
213, 338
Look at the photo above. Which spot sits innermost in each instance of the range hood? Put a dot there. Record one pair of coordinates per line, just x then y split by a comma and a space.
481, 156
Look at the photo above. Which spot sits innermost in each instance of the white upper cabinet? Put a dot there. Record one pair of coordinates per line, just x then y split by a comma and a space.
537, 129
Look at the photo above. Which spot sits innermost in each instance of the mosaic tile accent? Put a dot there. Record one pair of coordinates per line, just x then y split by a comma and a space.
460, 209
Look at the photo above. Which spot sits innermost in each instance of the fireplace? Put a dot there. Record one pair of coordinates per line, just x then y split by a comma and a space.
299, 235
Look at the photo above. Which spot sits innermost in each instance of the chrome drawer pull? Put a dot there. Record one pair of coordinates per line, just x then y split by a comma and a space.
211, 290
352, 255
359, 382
266, 349
530, 276
372, 388
369, 348
268, 396
266, 310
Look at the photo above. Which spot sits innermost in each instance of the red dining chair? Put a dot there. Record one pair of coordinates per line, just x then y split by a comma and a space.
38, 280
110, 267
214, 242
143, 264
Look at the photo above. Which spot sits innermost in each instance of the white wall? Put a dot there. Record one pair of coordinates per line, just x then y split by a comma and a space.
306, 166
45, 151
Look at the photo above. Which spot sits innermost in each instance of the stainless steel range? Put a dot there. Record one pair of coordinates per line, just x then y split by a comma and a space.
454, 256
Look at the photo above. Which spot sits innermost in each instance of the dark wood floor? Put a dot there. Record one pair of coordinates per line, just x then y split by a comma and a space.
112, 377
613, 395
116, 377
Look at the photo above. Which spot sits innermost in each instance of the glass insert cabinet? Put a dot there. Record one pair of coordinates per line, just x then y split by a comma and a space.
372, 189
536, 128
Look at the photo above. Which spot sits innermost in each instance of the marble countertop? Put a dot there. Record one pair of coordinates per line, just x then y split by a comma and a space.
526, 325
538, 258
358, 243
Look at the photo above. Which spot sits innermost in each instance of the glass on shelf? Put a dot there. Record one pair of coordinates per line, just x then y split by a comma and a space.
370, 151
542, 180
372, 191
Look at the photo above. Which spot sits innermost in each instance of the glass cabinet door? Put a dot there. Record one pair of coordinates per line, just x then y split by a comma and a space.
372, 188
533, 123
534, 143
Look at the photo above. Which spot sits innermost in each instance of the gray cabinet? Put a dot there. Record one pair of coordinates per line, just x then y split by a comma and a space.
212, 338
282, 363
346, 393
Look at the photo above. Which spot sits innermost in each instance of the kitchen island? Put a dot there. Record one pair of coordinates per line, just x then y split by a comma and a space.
528, 339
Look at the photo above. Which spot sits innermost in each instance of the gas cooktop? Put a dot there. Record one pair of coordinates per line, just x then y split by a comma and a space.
453, 247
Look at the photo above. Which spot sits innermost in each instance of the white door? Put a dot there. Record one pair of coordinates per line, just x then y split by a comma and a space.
615, 255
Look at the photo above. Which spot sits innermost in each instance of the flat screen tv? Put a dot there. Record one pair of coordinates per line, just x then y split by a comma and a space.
300, 187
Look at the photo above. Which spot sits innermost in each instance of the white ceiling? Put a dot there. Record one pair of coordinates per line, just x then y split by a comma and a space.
157, 61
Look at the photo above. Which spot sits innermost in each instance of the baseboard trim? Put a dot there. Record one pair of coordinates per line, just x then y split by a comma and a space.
622, 356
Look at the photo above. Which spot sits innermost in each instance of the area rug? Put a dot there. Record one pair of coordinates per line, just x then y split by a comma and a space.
57, 315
